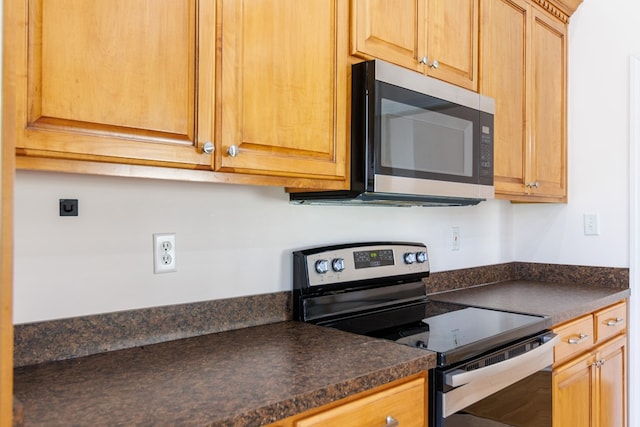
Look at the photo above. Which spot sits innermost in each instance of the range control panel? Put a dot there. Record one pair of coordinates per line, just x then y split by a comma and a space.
361, 261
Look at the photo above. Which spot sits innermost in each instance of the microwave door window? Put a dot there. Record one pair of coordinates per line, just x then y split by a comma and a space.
424, 141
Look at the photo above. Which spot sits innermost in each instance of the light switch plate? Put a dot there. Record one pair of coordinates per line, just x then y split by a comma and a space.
591, 225
455, 238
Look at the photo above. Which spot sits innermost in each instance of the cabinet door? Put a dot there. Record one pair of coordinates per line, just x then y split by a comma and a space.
452, 41
612, 383
548, 106
284, 88
114, 80
503, 76
389, 30
573, 392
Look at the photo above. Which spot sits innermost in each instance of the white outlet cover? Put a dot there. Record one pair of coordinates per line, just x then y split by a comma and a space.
164, 253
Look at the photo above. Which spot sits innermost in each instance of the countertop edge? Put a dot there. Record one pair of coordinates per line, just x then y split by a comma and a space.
331, 393
587, 308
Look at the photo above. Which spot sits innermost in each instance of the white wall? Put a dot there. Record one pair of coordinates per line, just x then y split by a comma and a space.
634, 320
236, 240
602, 36
231, 240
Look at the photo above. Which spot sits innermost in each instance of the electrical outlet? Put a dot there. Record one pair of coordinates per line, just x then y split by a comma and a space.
164, 252
455, 238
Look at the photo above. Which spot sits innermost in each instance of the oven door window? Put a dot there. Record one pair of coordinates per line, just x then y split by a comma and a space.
526, 403
425, 137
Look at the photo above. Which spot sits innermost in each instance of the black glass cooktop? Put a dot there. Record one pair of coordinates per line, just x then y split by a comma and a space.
455, 332
467, 332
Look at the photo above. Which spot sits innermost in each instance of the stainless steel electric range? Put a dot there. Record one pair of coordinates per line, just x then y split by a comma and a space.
376, 289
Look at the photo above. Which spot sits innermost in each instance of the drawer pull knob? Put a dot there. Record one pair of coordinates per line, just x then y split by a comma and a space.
615, 322
581, 337
392, 422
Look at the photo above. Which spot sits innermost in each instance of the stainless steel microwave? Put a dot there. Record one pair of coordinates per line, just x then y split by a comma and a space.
415, 140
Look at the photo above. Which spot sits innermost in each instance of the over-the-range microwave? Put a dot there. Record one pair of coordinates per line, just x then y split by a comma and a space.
415, 141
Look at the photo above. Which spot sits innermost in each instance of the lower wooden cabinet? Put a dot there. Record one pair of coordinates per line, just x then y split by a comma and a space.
590, 389
401, 403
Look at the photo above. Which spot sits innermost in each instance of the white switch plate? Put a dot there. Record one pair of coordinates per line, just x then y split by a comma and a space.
164, 253
591, 225
455, 238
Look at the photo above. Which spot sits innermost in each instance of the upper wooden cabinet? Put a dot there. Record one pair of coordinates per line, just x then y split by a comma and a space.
151, 82
115, 80
284, 88
523, 65
435, 37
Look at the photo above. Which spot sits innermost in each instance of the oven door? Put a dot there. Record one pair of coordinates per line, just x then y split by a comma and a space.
507, 391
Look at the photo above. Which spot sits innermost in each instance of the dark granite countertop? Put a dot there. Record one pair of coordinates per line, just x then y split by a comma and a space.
559, 301
250, 376
245, 377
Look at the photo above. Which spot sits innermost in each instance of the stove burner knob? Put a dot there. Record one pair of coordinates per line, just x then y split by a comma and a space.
322, 266
409, 258
337, 265
421, 344
421, 256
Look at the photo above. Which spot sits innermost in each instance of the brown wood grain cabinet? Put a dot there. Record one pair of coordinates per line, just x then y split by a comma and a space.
213, 91
403, 402
590, 382
116, 80
151, 82
523, 65
434, 37
284, 88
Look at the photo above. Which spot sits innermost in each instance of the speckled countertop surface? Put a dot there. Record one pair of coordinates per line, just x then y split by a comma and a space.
559, 301
246, 377
250, 376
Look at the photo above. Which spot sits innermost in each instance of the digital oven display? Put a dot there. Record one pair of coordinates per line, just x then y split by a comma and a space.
367, 259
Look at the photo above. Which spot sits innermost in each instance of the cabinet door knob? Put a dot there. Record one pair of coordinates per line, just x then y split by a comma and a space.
533, 184
392, 422
424, 60
232, 150
208, 147
434, 65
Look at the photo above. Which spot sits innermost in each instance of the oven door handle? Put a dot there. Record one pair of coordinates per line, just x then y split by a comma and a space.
475, 385
457, 379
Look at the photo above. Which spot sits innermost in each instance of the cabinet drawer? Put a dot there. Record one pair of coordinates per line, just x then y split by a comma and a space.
406, 403
611, 321
575, 337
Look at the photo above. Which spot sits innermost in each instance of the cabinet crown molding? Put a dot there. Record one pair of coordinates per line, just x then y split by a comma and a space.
561, 9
